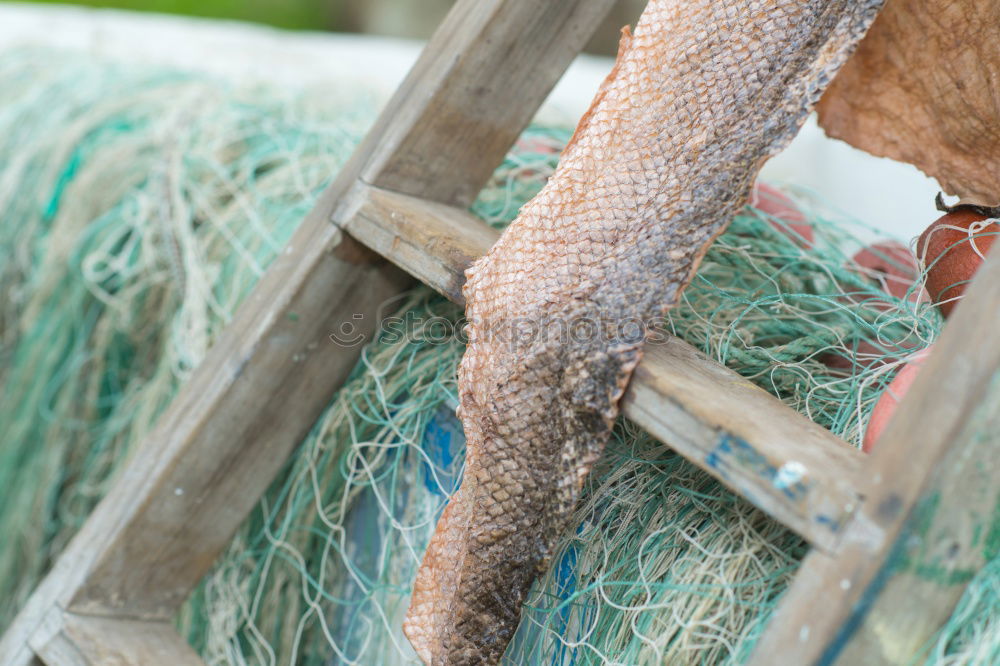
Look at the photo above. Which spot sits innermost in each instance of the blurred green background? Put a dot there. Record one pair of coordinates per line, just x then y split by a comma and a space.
296, 14
399, 18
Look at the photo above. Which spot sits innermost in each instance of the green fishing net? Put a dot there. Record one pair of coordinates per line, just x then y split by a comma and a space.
140, 206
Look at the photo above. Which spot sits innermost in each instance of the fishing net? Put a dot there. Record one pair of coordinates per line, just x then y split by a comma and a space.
140, 206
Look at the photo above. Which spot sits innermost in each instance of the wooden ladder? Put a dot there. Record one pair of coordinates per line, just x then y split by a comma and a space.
895, 536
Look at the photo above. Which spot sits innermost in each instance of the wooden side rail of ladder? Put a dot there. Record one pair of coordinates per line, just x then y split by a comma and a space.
915, 518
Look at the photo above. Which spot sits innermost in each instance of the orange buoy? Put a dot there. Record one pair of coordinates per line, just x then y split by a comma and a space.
893, 266
953, 248
782, 213
892, 396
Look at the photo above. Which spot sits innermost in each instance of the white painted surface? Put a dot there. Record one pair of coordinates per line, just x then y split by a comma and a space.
891, 196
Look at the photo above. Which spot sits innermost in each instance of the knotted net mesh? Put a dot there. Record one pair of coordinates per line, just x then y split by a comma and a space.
141, 206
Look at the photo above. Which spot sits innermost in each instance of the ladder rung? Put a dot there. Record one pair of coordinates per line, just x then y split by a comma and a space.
69, 639
795, 470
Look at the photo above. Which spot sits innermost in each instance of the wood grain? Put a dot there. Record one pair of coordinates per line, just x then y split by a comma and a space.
781, 462
67, 639
494, 62
793, 469
431, 241
930, 518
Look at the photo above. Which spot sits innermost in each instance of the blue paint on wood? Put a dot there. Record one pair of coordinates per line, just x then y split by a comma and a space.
732, 452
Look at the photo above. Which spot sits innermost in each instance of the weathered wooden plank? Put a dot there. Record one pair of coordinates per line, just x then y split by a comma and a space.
951, 533
431, 241
930, 519
793, 469
178, 501
245, 408
491, 66
67, 639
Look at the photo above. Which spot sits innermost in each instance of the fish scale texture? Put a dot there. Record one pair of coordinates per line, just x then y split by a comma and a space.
700, 96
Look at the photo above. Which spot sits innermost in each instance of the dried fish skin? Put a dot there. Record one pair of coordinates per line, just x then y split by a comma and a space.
699, 98
924, 88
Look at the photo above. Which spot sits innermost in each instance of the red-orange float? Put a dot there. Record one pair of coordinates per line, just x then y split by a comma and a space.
782, 212
893, 395
952, 249
893, 266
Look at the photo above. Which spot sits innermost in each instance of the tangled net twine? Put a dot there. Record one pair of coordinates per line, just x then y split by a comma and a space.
142, 205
